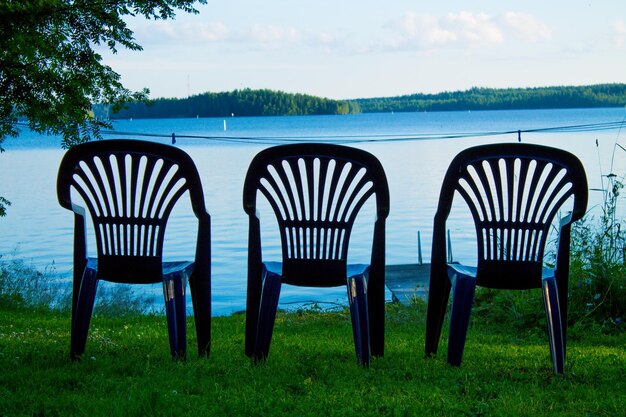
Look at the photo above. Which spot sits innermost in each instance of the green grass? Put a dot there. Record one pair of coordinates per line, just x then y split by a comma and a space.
312, 370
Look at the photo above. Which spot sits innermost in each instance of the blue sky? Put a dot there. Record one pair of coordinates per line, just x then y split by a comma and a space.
365, 48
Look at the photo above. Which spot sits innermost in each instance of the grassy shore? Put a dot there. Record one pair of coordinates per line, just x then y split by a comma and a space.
312, 370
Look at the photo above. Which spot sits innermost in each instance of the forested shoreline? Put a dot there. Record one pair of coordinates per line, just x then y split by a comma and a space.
599, 95
248, 102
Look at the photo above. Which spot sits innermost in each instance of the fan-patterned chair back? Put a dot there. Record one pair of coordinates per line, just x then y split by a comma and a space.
129, 192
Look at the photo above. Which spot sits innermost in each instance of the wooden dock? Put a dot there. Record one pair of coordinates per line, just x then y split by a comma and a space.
407, 282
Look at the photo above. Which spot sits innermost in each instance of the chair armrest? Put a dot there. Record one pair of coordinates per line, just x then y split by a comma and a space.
203, 246
439, 250
80, 237
254, 239
563, 245
378, 244
80, 253
376, 279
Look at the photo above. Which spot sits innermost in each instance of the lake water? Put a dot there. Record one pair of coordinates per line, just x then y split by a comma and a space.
410, 146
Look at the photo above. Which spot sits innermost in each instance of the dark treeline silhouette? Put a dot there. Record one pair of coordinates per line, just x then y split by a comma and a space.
245, 102
248, 102
600, 95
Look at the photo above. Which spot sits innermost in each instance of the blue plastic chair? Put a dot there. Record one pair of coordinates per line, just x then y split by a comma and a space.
316, 192
513, 191
129, 188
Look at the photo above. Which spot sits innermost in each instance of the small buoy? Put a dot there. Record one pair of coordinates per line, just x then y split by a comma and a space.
224, 125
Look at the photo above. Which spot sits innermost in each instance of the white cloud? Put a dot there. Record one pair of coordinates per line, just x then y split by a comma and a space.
474, 28
163, 28
463, 30
412, 31
324, 38
275, 38
620, 33
526, 27
167, 32
211, 32
266, 34
425, 31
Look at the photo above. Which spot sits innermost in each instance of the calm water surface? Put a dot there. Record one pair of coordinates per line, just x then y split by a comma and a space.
39, 230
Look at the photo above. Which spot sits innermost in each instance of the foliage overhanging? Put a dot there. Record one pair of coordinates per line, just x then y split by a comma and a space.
50, 71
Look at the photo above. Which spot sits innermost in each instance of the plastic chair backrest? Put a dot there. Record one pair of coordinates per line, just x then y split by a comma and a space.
316, 192
514, 192
129, 188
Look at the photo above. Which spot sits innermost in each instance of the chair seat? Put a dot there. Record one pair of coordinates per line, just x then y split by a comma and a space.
472, 271
168, 268
353, 270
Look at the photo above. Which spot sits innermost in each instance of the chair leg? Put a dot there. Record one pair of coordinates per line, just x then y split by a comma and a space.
375, 283
267, 316
174, 294
357, 297
180, 287
200, 288
462, 300
562, 279
253, 304
438, 294
82, 312
555, 330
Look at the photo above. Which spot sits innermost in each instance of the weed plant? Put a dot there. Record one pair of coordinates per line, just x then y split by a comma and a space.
22, 286
598, 264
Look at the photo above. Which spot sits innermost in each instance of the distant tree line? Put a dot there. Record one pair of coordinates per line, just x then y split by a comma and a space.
246, 102
600, 95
